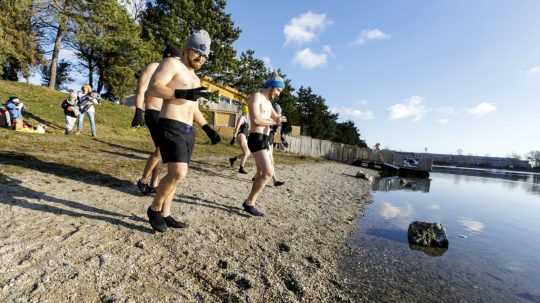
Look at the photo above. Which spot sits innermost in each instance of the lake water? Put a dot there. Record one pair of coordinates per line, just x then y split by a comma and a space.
492, 221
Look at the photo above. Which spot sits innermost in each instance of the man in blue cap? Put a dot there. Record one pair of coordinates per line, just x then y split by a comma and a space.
176, 83
262, 117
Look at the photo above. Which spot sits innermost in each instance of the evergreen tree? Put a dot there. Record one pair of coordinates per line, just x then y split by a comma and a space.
19, 50
108, 39
317, 120
169, 22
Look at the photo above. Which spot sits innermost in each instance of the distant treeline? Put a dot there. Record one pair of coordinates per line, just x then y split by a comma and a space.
113, 40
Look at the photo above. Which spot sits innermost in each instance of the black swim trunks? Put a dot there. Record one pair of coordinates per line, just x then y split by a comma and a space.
176, 141
151, 118
257, 142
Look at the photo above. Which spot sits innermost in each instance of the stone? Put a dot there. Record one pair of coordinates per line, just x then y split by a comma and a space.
427, 235
284, 247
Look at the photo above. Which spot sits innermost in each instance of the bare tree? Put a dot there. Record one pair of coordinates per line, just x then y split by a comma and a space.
54, 20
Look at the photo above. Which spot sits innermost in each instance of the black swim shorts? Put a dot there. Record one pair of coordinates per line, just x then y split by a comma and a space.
176, 141
257, 142
151, 118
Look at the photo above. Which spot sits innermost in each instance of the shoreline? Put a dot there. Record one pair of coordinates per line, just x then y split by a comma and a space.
64, 239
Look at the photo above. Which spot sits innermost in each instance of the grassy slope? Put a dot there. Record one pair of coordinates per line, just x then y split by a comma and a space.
111, 153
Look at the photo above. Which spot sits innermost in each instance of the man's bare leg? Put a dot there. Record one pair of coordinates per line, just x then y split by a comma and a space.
176, 172
150, 172
264, 174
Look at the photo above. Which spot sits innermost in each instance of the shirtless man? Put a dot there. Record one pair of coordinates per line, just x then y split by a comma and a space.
177, 84
262, 117
151, 107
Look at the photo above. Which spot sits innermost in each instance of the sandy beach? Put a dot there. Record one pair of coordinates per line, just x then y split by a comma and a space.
67, 238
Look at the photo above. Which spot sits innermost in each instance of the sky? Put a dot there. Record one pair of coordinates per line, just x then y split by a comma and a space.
412, 75
441, 75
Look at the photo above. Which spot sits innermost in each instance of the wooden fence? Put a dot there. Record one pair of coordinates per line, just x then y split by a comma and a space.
308, 146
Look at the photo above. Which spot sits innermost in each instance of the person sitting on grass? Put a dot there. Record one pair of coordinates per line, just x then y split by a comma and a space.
15, 108
71, 111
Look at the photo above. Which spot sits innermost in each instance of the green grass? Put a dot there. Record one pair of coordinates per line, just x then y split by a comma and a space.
113, 152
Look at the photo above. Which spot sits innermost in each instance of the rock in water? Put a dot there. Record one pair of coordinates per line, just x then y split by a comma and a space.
427, 234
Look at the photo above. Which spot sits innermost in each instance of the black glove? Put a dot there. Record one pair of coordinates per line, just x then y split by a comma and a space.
192, 94
212, 134
138, 119
232, 140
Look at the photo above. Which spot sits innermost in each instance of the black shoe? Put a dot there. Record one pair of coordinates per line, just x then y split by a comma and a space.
156, 220
232, 160
242, 170
278, 183
252, 210
152, 190
143, 188
171, 222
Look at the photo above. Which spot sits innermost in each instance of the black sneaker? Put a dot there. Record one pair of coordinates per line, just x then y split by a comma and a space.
152, 190
242, 170
143, 188
171, 222
232, 160
278, 183
252, 210
156, 220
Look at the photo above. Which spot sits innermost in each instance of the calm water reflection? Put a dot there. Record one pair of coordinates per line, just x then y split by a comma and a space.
493, 225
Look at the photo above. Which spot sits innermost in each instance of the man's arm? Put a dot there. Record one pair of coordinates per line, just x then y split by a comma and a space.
198, 117
164, 74
142, 84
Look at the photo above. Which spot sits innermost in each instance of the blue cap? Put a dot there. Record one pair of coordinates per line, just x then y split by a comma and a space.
275, 81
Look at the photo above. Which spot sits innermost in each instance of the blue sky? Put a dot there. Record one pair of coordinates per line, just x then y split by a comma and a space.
411, 74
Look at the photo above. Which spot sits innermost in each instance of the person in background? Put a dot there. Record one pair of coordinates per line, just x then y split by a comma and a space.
241, 132
71, 111
274, 129
15, 108
377, 152
87, 102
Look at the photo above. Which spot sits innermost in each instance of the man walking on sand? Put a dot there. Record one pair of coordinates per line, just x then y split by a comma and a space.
151, 107
262, 117
177, 84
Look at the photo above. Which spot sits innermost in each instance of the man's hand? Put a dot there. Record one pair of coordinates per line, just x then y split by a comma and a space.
212, 134
192, 94
138, 119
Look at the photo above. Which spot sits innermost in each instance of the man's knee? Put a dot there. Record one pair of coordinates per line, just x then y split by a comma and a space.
177, 174
267, 173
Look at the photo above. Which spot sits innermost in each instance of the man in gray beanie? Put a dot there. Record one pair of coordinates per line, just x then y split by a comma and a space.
176, 83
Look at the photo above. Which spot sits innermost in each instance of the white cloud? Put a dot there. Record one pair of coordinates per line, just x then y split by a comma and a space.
309, 59
482, 109
371, 35
412, 108
443, 121
472, 225
535, 70
353, 113
389, 211
303, 28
